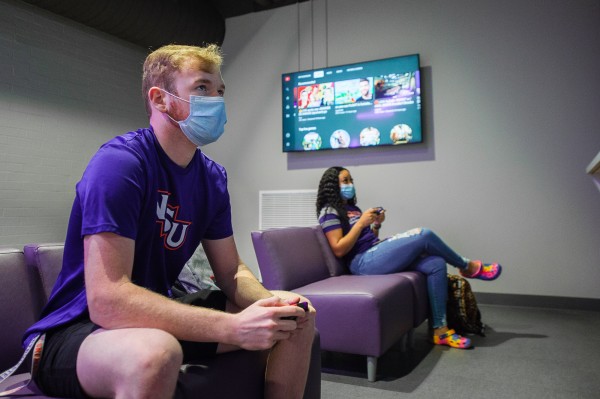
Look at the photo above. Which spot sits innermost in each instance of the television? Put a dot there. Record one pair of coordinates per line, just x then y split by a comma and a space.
365, 104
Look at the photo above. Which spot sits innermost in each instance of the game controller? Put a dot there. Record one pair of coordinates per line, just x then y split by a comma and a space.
379, 209
303, 305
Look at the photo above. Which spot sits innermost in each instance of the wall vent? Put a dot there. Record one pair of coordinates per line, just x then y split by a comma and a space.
284, 208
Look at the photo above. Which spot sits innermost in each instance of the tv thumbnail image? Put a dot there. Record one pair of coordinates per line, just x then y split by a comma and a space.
316, 95
312, 141
397, 85
338, 93
354, 90
368, 136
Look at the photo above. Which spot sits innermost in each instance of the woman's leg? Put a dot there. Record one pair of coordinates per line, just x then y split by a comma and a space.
398, 252
433, 245
434, 268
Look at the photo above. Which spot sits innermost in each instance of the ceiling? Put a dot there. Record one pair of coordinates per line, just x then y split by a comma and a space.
153, 23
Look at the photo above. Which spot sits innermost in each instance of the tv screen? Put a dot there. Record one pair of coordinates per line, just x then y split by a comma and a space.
372, 103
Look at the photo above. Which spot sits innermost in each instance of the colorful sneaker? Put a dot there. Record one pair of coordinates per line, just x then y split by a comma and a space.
485, 272
452, 339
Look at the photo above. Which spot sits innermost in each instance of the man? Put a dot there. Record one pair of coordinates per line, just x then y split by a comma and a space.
145, 202
364, 87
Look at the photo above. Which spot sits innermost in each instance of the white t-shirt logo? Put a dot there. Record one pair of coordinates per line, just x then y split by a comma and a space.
172, 230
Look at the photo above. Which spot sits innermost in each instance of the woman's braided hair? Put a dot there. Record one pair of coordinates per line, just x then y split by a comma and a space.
329, 194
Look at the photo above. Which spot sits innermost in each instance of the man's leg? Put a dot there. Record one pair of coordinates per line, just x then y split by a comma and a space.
129, 363
287, 367
289, 360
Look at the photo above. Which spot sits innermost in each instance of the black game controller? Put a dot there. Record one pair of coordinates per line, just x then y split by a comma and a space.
379, 209
303, 305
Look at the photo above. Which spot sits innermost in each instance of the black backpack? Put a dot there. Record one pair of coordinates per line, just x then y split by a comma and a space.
462, 312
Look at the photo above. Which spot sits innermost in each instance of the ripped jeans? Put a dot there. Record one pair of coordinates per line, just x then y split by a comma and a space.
418, 249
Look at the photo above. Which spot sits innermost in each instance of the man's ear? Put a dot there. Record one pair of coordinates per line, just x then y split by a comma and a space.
157, 99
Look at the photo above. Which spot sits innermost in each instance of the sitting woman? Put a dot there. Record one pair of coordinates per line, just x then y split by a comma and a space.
354, 236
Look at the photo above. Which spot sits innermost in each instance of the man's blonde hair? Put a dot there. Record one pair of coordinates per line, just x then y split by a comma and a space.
160, 66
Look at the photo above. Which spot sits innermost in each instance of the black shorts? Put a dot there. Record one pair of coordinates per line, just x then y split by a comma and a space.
57, 374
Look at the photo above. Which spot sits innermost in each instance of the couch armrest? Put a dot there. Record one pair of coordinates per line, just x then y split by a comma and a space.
46, 261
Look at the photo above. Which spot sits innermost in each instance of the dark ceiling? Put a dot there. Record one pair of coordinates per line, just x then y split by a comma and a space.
153, 23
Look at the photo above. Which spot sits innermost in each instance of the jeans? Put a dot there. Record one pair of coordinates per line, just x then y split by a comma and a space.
421, 250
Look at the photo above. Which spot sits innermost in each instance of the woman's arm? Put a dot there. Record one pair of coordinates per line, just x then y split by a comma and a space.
342, 244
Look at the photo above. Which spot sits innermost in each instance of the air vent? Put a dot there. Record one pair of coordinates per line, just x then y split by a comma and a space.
283, 208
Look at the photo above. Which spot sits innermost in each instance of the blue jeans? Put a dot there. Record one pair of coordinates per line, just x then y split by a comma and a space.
422, 251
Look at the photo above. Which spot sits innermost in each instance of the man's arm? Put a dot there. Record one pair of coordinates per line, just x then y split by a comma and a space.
232, 276
114, 301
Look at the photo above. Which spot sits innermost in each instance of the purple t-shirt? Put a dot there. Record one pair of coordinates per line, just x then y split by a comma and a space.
133, 189
329, 220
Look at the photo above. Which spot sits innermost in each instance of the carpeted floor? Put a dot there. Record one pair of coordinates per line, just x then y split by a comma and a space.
527, 353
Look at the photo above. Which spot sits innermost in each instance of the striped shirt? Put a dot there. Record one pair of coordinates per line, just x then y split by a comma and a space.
329, 220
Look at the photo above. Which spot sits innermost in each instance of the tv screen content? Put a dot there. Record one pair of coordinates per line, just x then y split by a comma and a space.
372, 103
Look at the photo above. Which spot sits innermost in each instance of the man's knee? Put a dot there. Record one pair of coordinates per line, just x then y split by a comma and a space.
153, 360
309, 331
159, 352
129, 362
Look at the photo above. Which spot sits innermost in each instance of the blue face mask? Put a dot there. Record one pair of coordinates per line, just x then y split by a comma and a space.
347, 191
206, 121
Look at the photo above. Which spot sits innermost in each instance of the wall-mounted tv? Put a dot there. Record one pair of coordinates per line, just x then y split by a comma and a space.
372, 103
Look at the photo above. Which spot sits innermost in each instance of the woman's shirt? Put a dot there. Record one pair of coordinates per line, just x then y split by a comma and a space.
330, 220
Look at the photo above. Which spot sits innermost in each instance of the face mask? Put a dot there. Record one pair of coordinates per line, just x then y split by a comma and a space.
206, 121
347, 191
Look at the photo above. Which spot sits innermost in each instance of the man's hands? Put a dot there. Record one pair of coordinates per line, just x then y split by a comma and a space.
261, 325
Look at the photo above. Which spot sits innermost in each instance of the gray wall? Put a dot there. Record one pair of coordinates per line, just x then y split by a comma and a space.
512, 113
511, 105
64, 90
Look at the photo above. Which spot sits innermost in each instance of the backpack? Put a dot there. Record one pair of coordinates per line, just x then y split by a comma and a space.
462, 312
195, 276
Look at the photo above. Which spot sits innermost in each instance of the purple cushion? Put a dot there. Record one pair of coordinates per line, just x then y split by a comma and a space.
362, 315
31, 391
20, 304
289, 257
418, 283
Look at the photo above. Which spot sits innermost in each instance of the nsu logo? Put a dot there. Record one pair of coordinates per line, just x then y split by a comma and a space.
172, 230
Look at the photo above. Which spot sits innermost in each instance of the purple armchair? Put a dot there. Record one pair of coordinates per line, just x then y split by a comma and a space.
26, 280
362, 315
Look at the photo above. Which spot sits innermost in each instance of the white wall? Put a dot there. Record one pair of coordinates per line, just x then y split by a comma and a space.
64, 90
511, 106
512, 113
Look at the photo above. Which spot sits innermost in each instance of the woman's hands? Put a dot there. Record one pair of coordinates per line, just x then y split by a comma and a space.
342, 244
372, 215
380, 218
368, 217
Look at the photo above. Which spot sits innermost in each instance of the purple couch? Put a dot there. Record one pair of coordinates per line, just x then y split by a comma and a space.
26, 280
362, 315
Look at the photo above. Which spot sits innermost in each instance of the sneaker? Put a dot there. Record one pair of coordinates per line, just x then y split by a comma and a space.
486, 272
452, 339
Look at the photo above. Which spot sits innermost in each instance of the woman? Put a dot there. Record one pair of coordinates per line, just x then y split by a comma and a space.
354, 236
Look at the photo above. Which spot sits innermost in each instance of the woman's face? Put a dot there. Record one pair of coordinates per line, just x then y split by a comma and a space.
345, 177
